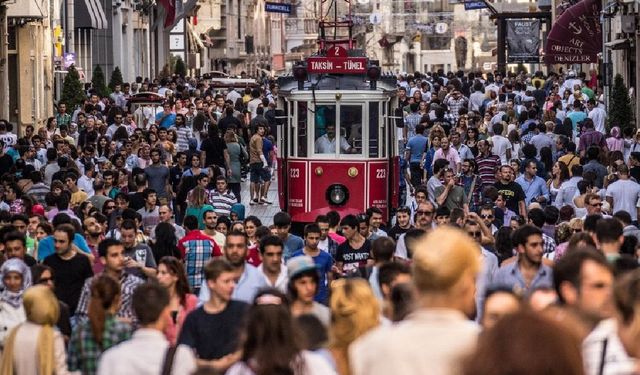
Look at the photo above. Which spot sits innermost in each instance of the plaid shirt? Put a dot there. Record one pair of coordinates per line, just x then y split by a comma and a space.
197, 249
410, 122
549, 244
128, 283
84, 352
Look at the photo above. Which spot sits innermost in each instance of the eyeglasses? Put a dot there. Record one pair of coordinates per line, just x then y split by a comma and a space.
476, 234
595, 204
486, 216
425, 213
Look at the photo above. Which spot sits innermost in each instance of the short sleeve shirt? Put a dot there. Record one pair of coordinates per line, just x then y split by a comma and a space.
354, 261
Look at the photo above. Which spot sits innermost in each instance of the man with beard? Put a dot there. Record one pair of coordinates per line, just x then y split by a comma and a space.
423, 220
527, 273
210, 219
249, 279
71, 269
403, 223
94, 235
139, 258
112, 259
511, 191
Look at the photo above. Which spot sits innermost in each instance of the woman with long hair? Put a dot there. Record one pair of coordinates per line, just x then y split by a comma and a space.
194, 170
15, 278
472, 140
35, 347
354, 312
197, 204
559, 174
103, 147
173, 277
102, 330
237, 153
516, 144
271, 342
166, 241
52, 126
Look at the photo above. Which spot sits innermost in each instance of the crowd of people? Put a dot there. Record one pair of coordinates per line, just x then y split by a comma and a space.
126, 247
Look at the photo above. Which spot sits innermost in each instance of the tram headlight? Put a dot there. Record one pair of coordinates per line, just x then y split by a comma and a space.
337, 195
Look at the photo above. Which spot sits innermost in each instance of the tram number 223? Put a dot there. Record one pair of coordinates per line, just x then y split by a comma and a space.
294, 173
381, 173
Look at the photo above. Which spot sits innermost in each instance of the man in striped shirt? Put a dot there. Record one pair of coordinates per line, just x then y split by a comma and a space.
183, 131
487, 164
222, 198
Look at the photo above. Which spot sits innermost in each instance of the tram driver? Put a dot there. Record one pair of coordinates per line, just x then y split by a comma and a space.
326, 144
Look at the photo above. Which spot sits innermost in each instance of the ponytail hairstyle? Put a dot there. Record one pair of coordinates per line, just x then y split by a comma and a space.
105, 291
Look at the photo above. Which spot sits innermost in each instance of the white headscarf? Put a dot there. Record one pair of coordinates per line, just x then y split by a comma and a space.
14, 265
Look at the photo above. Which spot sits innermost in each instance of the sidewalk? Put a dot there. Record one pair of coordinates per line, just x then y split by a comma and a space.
264, 213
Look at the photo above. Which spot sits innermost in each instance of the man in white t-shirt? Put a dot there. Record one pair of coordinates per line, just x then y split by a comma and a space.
501, 145
623, 194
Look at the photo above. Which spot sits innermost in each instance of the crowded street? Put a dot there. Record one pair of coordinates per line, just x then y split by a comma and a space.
319, 188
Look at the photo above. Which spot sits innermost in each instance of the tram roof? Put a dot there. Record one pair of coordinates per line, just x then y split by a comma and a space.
336, 82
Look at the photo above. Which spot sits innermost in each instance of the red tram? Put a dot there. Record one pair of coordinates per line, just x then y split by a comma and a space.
338, 145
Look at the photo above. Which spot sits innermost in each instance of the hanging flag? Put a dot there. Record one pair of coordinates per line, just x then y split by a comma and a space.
169, 11
576, 36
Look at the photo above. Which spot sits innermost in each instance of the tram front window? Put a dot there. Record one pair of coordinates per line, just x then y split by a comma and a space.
347, 134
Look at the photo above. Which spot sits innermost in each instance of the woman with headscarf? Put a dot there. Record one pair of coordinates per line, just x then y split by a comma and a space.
35, 347
15, 278
615, 142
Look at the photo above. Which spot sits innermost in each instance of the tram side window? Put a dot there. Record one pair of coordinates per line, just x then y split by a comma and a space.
374, 127
351, 128
302, 130
325, 130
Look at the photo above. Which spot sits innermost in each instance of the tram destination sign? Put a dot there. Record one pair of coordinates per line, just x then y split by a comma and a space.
339, 65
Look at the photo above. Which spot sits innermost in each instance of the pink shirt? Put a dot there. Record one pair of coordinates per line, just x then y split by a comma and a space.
452, 157
336, 237
172, 330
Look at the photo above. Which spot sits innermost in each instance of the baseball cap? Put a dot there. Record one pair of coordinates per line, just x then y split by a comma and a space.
300, 264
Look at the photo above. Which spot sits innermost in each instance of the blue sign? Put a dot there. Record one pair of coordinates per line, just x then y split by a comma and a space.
277, 8
472, 5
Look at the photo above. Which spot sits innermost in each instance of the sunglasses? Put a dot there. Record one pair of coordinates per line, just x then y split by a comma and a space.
476, 234
575, 230
486, 216
110, 207
426, 213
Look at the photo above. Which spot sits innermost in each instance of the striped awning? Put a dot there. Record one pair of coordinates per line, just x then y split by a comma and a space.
89, 14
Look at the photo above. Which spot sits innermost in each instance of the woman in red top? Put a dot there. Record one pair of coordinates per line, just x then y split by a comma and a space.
171, 275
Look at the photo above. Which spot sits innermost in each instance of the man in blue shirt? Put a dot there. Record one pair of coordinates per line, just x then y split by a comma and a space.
166, 118
292, 243
413, 154
322, 259
535, 188
46, 245
528, 273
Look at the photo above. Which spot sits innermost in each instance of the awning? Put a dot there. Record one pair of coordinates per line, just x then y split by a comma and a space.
89, 14
576, 36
